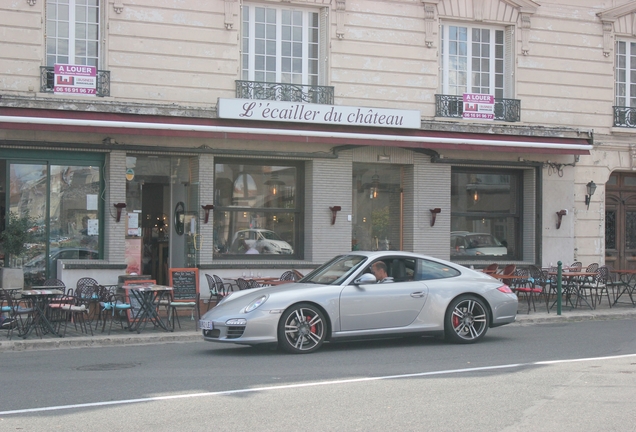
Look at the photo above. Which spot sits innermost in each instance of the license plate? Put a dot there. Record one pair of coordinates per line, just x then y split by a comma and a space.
206, 325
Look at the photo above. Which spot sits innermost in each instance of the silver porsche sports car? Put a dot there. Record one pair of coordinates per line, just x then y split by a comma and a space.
343, 299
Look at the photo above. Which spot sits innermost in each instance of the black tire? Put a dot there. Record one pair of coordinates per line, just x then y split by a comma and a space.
302, 329
466, 320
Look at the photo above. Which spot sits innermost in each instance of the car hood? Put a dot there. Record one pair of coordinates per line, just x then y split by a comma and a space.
277, 294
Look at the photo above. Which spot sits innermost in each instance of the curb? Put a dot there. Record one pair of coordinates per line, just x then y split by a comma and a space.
93, 342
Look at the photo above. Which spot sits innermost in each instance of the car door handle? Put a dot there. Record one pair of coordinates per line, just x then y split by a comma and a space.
417, 294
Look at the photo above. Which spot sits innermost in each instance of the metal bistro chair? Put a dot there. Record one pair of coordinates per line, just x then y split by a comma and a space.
78, 312
218, 289
23, 315
115, 307
509, 269
492, 268
242, 284
221, 285
175, 305
288, 276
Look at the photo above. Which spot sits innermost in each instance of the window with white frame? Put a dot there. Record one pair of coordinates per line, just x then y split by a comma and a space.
280, 45
625, 74
72, 32
476, 60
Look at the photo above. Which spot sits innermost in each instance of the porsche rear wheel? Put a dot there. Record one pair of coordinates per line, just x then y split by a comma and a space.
302, 329
466, 320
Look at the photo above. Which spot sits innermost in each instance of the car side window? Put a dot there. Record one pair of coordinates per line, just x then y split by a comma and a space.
428, 270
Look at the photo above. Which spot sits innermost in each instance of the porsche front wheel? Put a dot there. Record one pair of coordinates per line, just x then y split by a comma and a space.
302, 329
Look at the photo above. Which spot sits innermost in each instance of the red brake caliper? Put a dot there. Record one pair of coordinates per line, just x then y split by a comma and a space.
313, 327
455, 321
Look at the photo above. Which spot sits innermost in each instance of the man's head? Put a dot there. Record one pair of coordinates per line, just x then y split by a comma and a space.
379, 270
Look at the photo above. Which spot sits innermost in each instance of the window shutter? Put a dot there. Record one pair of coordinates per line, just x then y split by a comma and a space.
509, 62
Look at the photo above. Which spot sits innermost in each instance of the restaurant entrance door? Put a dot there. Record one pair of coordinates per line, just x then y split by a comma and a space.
620, 221
378, 207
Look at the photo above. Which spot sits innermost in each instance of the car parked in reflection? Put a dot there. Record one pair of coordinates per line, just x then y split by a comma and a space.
475, 244
35, 269
263, 240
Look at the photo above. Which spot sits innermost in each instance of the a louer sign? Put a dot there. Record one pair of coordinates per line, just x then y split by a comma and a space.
247, 109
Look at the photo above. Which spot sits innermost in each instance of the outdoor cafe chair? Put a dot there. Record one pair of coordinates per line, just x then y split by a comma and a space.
218, 290
576, 266
509, 269
242, 284
77, 312
222, 285
115, 308
86, 284
526, 286
288, 276
253, 284
617, 285
23, 315
175, 305
53, 282
492, 268
597, 286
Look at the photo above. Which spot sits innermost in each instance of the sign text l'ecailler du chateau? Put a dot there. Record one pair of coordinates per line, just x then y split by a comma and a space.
264, 110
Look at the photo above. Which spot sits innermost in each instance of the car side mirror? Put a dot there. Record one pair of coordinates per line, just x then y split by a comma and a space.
365, 279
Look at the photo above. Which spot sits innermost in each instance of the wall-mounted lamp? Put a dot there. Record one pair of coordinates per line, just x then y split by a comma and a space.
334, 212
591, 188
434, 213
207, 209
560, 214
119, 207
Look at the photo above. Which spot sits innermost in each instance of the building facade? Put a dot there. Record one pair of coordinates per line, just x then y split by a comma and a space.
142, 136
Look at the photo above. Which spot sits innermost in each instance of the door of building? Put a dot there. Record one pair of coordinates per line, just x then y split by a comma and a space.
378, 207
620, 221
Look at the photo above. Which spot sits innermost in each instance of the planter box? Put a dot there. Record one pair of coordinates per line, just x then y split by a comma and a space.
11, 278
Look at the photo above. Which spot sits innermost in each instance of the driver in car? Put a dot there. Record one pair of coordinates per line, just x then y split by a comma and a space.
379, 270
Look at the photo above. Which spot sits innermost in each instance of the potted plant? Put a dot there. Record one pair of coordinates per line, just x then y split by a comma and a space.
14, 238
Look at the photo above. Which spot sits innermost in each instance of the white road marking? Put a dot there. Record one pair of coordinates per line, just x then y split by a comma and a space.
303, 385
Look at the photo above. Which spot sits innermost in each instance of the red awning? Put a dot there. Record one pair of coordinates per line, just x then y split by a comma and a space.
132, 124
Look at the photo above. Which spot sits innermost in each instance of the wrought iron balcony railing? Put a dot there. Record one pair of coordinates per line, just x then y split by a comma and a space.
284, 92
47, 76
624, 117
508, 110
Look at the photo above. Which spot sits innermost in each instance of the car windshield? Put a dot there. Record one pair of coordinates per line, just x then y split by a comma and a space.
335, 271
482, 240
270, 235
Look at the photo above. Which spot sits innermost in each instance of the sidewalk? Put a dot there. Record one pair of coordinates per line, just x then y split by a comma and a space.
187, 333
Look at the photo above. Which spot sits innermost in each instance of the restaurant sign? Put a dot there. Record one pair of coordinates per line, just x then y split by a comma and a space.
265, 110
479, 106
75, 79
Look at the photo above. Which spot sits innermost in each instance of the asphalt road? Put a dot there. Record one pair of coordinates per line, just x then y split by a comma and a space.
572, 376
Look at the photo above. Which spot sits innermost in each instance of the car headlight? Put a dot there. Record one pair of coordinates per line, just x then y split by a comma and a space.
255, 304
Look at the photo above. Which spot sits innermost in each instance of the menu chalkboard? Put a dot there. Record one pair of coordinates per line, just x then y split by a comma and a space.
185, 283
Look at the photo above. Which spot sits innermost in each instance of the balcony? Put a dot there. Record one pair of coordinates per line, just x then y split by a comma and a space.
624, 117
47, 76
508, 110
284, 92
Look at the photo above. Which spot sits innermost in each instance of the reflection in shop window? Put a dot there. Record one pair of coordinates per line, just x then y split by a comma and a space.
485, 214
72, 222
256, 210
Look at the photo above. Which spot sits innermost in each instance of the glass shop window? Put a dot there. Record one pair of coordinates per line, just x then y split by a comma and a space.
257, 211
486, 210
